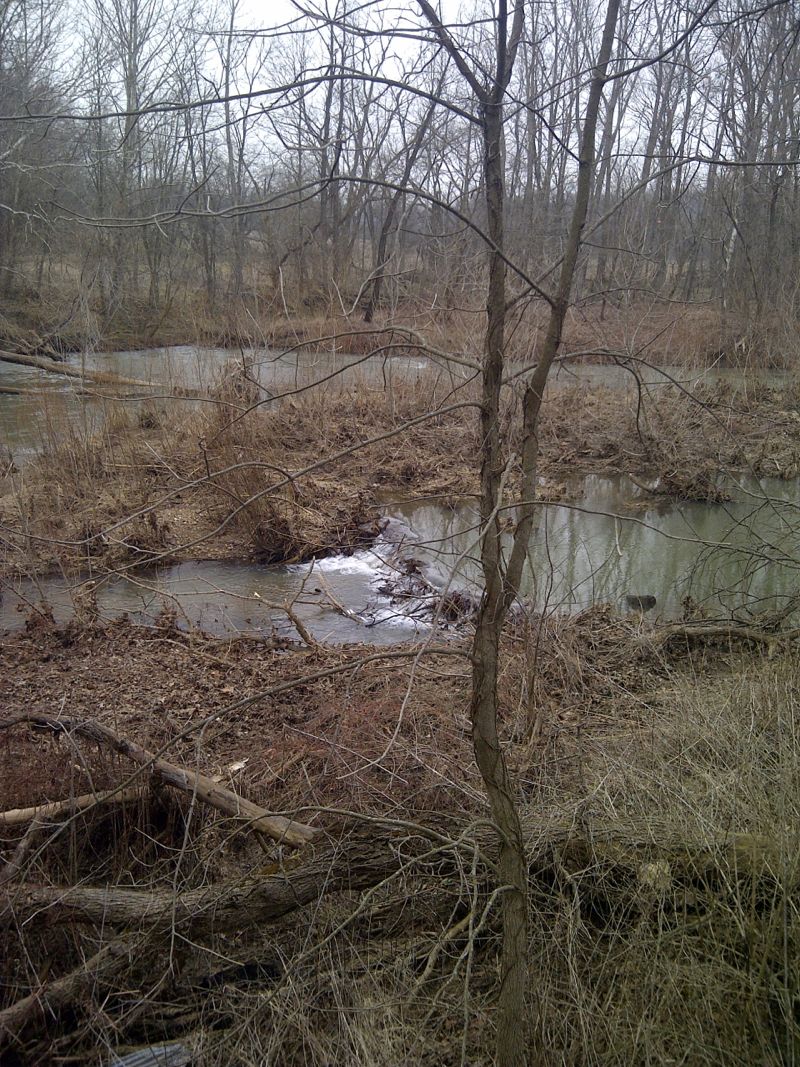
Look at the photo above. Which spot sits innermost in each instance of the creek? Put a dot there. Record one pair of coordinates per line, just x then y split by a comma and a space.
26, 420
608, 540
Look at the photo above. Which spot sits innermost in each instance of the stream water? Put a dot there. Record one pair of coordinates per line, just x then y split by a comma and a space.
25, 420
609, 541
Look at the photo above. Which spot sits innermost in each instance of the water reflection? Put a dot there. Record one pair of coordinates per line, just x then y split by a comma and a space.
615, 541
611, 543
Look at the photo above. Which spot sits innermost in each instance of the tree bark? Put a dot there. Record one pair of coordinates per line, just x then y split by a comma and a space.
81, 374
366, 856
512, 1027
70, 806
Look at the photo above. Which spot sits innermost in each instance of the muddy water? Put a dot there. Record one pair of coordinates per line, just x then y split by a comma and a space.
25, 421
611, 541
614, 541
235, 598
28, 420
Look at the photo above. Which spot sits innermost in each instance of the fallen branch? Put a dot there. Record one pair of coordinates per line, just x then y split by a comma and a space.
367, 857
70, 806
63, 991
204, 788
337, 605
86, 374
702, 630
12, 867
650, 858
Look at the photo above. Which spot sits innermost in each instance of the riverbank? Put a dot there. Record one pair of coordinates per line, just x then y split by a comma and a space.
239, 477
657, 768
664, 333
658, 784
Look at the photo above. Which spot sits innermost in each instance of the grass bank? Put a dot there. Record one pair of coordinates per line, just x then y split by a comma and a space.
665, 333
241, 476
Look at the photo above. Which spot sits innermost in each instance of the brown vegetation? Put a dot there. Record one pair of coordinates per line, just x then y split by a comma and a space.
235, 479
615, 879
663, 333
654, 823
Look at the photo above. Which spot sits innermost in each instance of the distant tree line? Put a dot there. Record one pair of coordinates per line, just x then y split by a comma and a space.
153, 153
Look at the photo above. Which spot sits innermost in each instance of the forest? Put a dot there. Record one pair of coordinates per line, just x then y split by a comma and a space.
399, 487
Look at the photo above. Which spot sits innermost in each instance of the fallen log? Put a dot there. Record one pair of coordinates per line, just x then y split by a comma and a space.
18, 390
695, 631
70, 806
88, 374
358, 863
348, 865
364, 858
286, 831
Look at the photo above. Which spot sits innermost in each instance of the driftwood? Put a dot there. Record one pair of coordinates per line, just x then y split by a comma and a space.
201, 786
70, 806
65, 370
85, 374
16, 390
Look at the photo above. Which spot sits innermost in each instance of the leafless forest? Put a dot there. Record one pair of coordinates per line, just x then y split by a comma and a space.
399, 459
172, 156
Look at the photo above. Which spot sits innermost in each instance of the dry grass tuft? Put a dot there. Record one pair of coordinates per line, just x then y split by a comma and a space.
653, 959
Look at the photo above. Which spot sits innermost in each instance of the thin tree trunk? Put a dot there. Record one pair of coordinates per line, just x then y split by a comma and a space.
512, 1028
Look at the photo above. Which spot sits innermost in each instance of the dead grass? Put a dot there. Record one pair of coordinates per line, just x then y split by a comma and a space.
241, 478
684, 440
674, 967
640, 954
181, 483
666, 333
